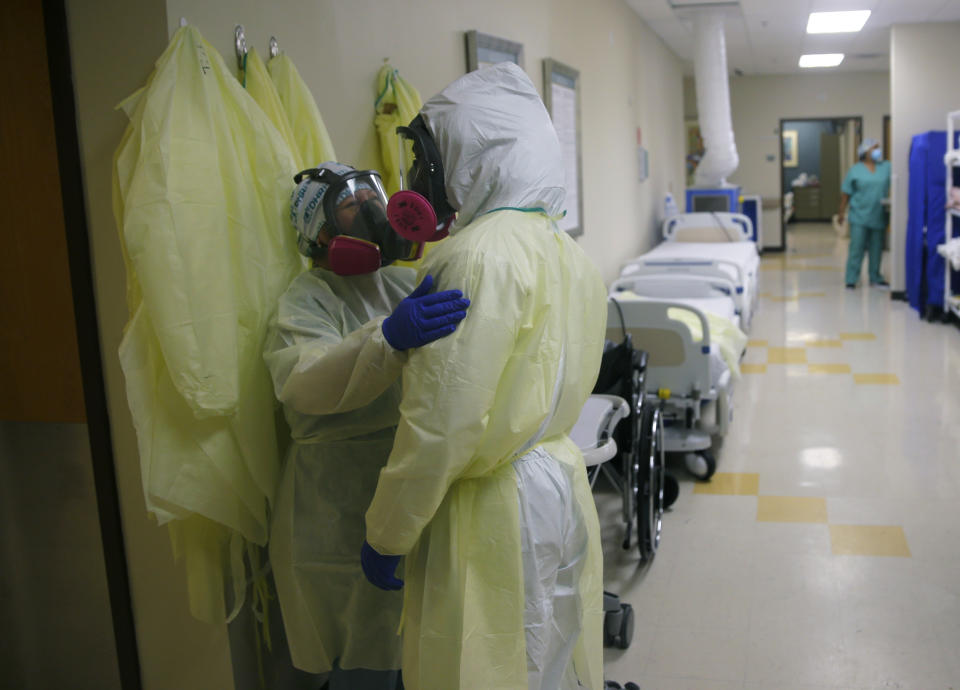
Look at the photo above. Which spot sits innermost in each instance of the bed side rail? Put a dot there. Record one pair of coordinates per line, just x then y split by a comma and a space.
708, 227
676, 362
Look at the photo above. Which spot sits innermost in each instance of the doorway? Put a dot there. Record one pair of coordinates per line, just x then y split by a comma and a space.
816, 153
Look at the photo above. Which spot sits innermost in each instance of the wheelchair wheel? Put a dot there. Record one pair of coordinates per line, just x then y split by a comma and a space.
671, 490
650, 482
632, 468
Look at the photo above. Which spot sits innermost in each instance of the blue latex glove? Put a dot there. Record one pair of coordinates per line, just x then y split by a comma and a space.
422, 318
380, 569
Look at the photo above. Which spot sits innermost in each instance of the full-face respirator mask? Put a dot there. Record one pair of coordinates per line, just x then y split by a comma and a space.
365, 230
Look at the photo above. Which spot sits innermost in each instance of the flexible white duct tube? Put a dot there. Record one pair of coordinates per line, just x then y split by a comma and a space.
713, 100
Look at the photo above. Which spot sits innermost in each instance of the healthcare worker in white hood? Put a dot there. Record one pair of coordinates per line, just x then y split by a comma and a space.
484, 494
335, 351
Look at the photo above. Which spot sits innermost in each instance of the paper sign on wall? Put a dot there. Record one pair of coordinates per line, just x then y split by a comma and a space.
564, 106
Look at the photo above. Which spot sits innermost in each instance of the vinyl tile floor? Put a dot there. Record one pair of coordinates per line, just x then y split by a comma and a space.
826, 551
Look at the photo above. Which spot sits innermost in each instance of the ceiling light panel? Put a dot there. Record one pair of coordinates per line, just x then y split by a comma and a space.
837, 22
821, 60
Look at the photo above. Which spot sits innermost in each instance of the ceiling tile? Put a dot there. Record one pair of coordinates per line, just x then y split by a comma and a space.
651, 10
904, 12
950, 12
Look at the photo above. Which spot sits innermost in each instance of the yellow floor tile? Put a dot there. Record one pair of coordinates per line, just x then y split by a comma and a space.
753, 368
797, 296
786, 355
792, 509
877, 379
757, 343
730, 484
868, 540
828, 368
857, 336
824, 343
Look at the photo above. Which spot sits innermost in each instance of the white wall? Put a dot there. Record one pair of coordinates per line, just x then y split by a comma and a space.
760, 102
923, 76
629, 79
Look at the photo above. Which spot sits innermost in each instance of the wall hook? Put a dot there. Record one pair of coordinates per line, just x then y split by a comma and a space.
241, 44
274, 47
183, 22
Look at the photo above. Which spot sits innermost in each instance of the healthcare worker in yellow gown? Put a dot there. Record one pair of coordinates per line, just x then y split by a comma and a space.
335, 351
484, 493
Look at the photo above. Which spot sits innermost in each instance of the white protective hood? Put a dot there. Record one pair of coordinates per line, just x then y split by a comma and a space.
498, 145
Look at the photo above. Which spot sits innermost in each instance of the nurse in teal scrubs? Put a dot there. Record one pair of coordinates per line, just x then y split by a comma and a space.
865, 186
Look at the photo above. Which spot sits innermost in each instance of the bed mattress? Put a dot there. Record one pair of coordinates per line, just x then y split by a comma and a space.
718, 306
743, 254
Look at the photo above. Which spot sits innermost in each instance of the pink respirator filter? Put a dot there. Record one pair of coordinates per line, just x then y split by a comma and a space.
412, 216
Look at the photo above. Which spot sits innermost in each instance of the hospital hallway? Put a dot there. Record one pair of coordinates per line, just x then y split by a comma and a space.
823, 553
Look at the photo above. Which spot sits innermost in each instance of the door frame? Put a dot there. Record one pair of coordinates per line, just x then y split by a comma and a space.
886, 142
91, 360
831, 118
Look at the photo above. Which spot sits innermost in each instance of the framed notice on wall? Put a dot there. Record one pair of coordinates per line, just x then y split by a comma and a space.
561, 95
484, 49
790, 159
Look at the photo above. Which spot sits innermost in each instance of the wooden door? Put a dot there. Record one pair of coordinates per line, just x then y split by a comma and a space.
830, 174
39, 360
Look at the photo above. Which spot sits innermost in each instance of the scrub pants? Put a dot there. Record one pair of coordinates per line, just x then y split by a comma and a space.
553, 541
864, 239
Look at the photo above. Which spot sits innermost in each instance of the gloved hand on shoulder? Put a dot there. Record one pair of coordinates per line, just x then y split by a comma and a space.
422, 317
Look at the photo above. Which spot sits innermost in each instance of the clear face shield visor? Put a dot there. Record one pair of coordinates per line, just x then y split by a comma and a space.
421, 171
355, 209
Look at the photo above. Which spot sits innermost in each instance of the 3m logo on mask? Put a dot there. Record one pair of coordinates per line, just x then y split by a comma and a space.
309, 210
295, 201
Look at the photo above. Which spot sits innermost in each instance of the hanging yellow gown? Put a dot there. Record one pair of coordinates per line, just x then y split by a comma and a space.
201, 197
258, 83
396, 105
312, 141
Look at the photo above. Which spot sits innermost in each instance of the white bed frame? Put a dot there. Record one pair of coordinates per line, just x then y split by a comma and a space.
692, 272
708, 227
678, 372
679, 278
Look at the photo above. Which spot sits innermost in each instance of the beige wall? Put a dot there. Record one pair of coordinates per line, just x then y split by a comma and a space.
628, 80
923, 78
760, 102
690, 111
113, 46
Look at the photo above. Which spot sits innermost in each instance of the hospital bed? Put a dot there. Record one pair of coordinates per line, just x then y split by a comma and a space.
687, 375
704, 285
713, 246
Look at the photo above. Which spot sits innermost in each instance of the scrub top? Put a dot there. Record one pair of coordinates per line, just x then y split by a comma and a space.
867, 189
